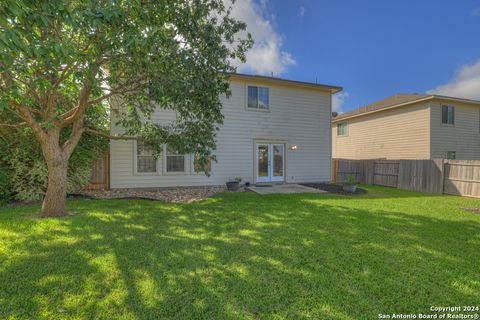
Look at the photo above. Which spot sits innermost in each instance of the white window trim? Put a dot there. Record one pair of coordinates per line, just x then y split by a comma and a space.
246, 98
176, 173
346, 133
135, 164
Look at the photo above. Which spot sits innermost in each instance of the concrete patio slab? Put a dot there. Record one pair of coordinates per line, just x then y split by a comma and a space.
283, 188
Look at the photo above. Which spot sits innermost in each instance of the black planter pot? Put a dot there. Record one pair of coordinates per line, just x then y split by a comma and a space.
350, 188
233, 185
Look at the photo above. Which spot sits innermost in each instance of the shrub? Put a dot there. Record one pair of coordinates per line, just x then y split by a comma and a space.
5, 185
79, 175
21, 156
29, 174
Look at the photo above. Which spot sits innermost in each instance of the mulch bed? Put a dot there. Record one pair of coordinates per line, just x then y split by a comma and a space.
176, 195
333, 188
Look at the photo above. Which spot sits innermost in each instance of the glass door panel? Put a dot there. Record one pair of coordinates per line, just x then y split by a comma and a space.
270, 164
263, 163
278, 163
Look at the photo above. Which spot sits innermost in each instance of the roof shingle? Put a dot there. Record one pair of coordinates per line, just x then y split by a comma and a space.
382, 104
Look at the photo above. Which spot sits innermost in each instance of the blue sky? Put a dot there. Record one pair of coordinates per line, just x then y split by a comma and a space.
373, 48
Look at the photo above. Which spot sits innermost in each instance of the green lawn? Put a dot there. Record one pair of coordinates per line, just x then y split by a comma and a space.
242, 256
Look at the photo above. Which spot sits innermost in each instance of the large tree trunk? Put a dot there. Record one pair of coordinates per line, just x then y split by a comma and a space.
57, 165
54, 201
57, 158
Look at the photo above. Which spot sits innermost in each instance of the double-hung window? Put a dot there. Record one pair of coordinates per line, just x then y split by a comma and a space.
342, 129
175, 161
448, 115
258, 98
146, 161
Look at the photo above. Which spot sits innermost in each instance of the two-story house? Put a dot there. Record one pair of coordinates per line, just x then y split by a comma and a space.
274, 131
409, 126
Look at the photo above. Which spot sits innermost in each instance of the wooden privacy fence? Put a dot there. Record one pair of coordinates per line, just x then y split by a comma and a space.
457, 177
100, 177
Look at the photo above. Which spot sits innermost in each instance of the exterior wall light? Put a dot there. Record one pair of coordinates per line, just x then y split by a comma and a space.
294, 147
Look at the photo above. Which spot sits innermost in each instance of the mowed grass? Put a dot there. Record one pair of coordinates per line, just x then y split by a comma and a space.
242, 256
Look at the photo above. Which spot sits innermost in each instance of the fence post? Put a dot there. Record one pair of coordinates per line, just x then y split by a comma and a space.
334, 170
107, 170
442, 175
370, 176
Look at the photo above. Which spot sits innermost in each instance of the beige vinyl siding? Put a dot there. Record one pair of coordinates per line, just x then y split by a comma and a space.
399, 133
297, 116
463, 137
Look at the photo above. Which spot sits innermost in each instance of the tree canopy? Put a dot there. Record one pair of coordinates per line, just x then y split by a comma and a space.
59, 59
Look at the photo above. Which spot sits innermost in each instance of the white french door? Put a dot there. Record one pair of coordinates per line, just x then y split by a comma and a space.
270, 158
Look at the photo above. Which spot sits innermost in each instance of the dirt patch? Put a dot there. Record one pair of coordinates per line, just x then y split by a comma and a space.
473, 210
21, 204
333, 188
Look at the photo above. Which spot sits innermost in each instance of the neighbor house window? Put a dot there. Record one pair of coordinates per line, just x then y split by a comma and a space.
199, 168
146, 162
342, 129
175, 162
451, 155
448, 115
258, 97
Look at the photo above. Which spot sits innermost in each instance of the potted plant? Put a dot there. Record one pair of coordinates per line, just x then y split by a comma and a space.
351, 184
234, 184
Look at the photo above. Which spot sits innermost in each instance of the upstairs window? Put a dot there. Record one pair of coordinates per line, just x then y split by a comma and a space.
342, 129
448, 115
146, 162
258, 98
175, 162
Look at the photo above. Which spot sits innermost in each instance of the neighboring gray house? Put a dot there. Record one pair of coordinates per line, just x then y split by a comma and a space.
274, 130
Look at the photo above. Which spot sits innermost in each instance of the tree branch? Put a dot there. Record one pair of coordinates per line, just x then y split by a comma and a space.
84, 95
80, 108
69, 113
14, 126
115, 91
65, 73
102, 134
26, 115
75, 136
30, 89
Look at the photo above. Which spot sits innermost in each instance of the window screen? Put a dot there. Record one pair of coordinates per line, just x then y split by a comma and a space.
448, 115
175, 160
342, 129
258, 97
146, 162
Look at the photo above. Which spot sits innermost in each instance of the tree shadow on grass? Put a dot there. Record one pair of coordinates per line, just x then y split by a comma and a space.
238, 257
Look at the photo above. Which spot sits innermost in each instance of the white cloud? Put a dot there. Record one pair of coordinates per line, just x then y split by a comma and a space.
465, 83
266, 56
302, 11
337, 101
